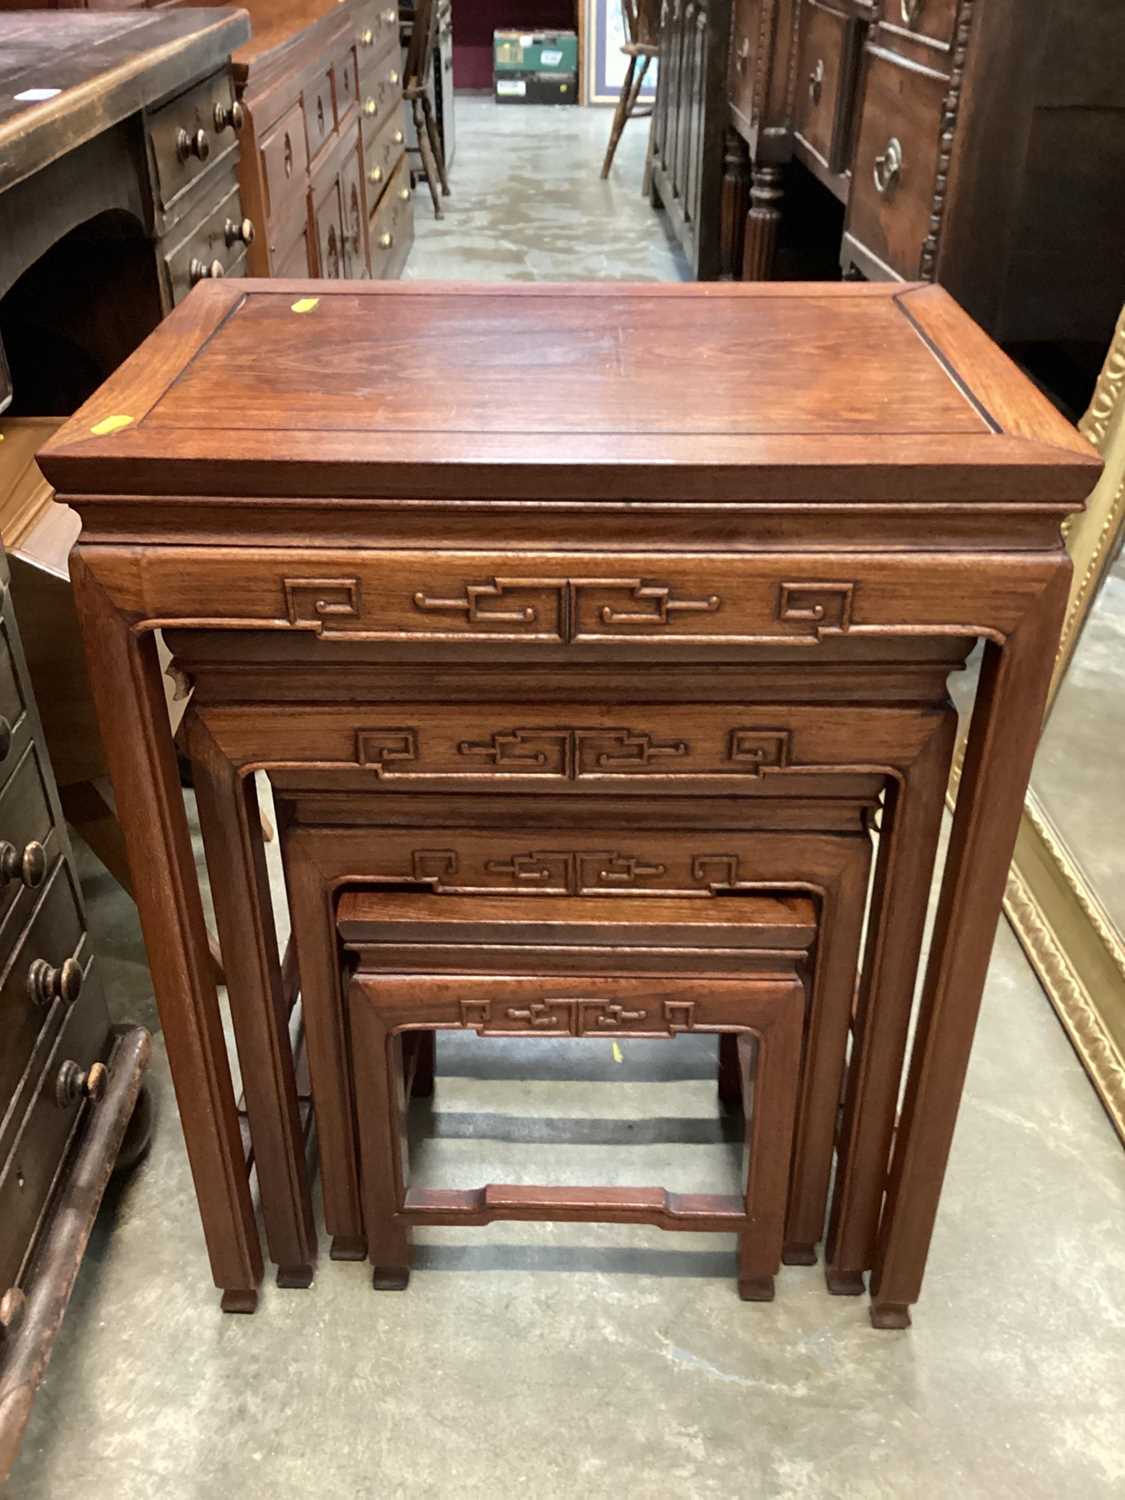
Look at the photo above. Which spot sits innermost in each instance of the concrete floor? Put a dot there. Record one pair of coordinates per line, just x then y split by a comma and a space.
591, 1360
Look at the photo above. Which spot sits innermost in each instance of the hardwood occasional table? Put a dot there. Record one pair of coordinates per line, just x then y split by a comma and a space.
631, 537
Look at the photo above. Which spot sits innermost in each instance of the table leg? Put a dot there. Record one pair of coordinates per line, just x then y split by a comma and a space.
381, 1115
230, 821
133, 717
911, 827
1005, 728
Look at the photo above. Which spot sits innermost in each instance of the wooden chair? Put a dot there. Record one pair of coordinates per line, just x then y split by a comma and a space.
642, 30
419, 64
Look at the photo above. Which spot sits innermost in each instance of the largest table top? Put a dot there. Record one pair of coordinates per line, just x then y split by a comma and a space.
880, 394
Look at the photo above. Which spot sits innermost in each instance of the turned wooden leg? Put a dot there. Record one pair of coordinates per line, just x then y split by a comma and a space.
911, 826
762, 223
126, 682
1006, 722
436, 148
230, 821
380, 1111
620, 115
736, 180
313, 920
769, 1141
837, 959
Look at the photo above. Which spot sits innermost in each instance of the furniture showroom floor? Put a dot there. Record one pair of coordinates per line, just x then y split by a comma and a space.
581, 1359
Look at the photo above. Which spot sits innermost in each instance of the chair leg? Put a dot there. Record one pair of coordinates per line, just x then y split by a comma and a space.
620, 115
428, 163
381, 1107
435, 143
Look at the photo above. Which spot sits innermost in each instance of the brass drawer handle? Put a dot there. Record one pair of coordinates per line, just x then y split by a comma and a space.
398, 137
404, 194
241, 232
28, 865
911, 10
367, 37
73, 1084
888, 166
45, 984
392, 76
375, 174
390, 16
386, 240
743, 54
200, 271
816, 81
192, 143
369, 106
5, 737
228, 117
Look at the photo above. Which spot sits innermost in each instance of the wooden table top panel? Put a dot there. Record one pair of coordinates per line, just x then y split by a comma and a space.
586, 390
105, 66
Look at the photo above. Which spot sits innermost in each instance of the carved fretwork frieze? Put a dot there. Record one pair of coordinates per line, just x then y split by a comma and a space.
577, 1017
567, 609
825, 607
324, 603
571, 753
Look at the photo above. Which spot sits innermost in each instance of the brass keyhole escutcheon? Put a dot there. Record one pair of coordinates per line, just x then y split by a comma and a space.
816, 81
888, 166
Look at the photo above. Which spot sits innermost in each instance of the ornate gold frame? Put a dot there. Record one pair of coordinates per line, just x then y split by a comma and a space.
1075, 949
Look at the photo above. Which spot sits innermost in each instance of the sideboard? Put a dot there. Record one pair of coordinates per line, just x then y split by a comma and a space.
977, 144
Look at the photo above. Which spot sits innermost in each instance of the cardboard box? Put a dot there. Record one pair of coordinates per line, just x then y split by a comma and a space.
536, 88
534, 52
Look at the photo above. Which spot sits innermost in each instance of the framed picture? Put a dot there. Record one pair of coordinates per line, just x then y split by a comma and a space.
604, 63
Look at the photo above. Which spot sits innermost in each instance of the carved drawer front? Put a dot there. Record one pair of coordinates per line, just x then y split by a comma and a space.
380, 90
329, 222
894, 170
747, 62
33, 979
212, 247
352, 204
28, 842
285, 161
823, 83
29, 1171
295, 260
189, 135
346, 74
935, 19
377, 30
320, 116
392, 226
381, 155
563, 748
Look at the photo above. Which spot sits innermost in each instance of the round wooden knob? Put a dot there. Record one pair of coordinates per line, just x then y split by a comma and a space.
241, 232
28, 865
229, 117
12, 1305
192, 143
5, 737
73, 1084
46, 984
202, 271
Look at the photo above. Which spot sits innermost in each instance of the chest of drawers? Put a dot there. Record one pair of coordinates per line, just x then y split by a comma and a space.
436, 584
978, 144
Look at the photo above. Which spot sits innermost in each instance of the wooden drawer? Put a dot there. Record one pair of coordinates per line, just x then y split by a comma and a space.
895, 164
25, 818
12, 706
320, 114
328, 227
285, 162
345, 72
212, 247
377, 30
382, 154
353, 208
54, 933
188, 136
392, 226
295, 260
380, 90
29, 1172
824, 79
935, 19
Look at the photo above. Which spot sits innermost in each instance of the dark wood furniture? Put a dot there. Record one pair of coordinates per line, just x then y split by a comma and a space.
845, 488
978, 144
642, 44
689, 116
68, 1080
642, 967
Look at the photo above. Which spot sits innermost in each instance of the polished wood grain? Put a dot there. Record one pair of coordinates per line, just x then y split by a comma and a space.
408, 626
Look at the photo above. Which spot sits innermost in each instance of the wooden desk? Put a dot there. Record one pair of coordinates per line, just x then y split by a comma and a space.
476, 513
